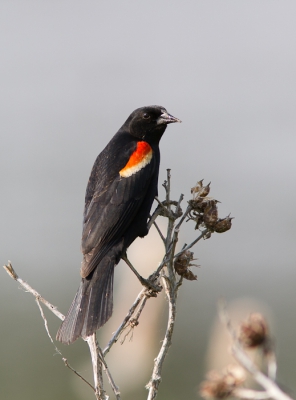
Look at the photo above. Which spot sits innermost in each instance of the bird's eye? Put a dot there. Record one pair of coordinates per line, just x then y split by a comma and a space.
146, 116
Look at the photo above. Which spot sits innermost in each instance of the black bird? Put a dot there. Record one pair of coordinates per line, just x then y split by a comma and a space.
119, 196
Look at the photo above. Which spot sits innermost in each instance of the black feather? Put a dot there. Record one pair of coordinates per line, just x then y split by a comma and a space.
115, 214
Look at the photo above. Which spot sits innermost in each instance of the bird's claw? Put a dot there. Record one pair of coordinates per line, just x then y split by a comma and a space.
151, 286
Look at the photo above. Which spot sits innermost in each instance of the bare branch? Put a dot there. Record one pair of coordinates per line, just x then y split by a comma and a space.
126, 320
156, 213
155, 380
202, 235
46, 326
91, 341
240, 355
203, 211
11, 272
97, 367
77, 373
109, 376
159, 232
271, 365
242, 393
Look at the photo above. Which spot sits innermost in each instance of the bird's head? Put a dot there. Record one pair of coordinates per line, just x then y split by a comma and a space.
149, 123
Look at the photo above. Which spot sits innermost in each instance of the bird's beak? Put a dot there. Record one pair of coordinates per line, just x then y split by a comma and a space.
166, 118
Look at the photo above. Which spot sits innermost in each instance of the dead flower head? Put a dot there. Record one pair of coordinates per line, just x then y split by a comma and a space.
182, 264
220, 385
223, 224
253, 332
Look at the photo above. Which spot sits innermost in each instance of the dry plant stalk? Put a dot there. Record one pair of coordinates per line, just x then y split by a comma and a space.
174, 267
253, 333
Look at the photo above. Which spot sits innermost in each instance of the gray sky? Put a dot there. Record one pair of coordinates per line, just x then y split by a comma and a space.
71, 72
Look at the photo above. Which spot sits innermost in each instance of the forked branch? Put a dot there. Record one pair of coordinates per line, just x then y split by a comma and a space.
172, 270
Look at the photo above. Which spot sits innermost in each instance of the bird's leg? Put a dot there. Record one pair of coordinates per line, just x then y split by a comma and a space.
145, 282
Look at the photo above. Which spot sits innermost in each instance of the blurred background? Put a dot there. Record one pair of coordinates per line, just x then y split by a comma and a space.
71, 73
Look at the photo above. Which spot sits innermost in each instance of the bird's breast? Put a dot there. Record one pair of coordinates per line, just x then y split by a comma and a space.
139, 159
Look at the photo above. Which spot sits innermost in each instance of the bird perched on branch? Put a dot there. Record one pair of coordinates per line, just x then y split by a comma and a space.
119, 196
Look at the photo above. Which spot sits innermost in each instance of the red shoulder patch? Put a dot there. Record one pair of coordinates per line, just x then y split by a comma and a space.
138, 160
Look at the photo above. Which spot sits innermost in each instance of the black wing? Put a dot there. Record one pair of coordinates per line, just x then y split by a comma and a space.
112, 203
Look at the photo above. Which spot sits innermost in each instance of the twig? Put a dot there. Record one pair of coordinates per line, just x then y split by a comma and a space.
46, 326
271, 388
11, 272
175, 235
135, 320
119, 330
189, 208
172, 211
109, 376
271, 364
156, 213
203, 233
97, 367
161, 207
170, 219
243, 393
77, 373
91, 340
158, 362
159, 232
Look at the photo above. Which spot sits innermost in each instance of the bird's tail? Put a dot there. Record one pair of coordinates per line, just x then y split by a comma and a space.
92, 305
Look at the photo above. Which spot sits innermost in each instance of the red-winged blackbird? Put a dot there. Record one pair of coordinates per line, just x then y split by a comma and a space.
119, 196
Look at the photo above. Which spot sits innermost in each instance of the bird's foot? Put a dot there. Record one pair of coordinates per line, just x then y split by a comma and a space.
151, 283
153, 288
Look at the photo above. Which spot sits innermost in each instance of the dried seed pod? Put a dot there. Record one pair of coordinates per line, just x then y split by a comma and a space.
189, 275
199, 220
222, 385
182, 264
201, 203
211, 214
205, 190
197, 187
223, 225
253, 332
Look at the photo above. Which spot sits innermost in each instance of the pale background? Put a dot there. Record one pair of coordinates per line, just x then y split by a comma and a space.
71, 72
